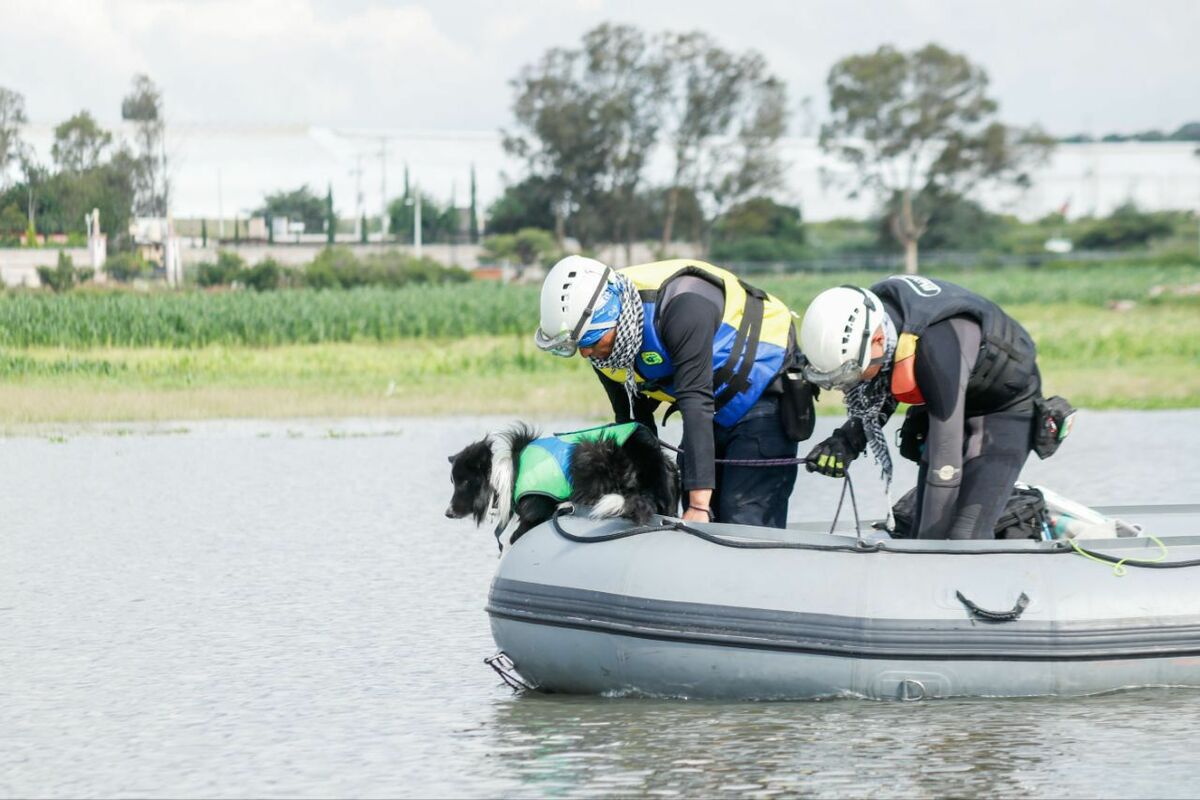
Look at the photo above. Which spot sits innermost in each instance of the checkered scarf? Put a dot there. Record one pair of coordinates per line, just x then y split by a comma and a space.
865, 403
628, 342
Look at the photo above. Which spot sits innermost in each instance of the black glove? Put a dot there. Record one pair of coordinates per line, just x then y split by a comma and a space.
832, 456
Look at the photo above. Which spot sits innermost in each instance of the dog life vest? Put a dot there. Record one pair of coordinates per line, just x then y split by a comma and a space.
750, 347
1004, 369
544, 466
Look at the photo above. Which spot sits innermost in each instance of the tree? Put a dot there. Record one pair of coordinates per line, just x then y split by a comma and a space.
330, 217
724, 115
473, 220
299, 205
954, 222
12, 117
143, 106
59, 201
587, 120
79, 143
908, 122
438, 222
759, 229
525, 247
528, 204
35, 175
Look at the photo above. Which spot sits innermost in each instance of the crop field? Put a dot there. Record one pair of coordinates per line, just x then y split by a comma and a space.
1112, 336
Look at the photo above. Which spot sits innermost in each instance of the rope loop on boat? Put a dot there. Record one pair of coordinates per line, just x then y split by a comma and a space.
1119, 569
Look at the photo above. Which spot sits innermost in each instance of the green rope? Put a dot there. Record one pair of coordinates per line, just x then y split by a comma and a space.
1119, 567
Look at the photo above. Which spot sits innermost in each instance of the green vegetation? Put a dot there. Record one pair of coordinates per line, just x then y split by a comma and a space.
526, 247
759, 230
112, 355
96, 318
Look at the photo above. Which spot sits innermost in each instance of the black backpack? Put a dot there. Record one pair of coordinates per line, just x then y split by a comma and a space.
1024, 517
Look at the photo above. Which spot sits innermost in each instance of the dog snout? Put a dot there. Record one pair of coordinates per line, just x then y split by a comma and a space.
450, 513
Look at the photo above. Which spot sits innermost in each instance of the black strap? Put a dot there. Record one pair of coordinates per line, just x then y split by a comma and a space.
748, 334
995, 616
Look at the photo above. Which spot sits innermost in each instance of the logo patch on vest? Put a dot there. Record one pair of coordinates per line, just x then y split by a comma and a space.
922, 286
651, 358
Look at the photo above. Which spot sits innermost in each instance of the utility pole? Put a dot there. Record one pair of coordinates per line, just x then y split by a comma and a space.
383, 222
357, 172
220, 209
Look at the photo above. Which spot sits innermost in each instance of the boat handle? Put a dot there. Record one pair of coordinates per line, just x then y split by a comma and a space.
995, 616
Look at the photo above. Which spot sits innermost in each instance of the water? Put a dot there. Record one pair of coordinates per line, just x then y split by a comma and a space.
280, 609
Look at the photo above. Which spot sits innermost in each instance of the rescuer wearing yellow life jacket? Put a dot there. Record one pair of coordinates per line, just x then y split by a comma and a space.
965, 365
694, 335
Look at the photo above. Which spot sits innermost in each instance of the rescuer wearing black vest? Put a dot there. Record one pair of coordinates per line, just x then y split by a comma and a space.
964, 365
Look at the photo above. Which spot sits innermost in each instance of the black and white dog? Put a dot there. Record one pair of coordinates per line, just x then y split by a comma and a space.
635, 480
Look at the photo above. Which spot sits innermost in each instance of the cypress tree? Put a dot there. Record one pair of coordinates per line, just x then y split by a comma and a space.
330, 219
473, 220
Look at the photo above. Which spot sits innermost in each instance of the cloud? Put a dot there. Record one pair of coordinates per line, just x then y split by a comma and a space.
1120, 64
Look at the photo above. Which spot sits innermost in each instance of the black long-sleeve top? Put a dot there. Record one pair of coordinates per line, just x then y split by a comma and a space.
689, 314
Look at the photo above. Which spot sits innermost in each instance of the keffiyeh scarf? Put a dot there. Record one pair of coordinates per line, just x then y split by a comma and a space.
865, 403
628, 341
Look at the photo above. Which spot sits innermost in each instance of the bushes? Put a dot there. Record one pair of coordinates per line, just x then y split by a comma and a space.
124, 267
1127, 227
338, 268
223, 273
333, 268
759, 230
264, 276
526, 247
64, 276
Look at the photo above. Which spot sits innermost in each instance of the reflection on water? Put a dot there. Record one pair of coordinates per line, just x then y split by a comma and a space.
281, 609
1118, 745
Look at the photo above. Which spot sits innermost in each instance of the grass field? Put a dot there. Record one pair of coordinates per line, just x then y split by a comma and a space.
440, 350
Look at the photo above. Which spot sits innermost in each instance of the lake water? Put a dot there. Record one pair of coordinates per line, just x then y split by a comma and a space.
280, 609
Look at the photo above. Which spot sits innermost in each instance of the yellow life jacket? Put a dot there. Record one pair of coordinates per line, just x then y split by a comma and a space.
750, 348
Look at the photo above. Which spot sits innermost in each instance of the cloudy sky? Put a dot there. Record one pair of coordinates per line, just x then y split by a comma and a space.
1071, 65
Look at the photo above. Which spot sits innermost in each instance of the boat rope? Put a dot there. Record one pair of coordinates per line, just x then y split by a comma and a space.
1119, 566
789, 462
743, 462
1055, 547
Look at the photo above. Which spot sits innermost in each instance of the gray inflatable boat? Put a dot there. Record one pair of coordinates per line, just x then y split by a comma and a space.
726, 611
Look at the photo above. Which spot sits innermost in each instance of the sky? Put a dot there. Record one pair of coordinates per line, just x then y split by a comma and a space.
1095, 66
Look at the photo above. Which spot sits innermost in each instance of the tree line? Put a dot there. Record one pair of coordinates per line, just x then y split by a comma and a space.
90, 168
909, 127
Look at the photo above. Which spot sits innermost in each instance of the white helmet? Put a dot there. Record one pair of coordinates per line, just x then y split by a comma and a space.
835, 335
569, 296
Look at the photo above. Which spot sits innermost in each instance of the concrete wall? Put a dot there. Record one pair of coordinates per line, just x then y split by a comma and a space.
462, 255
18, 266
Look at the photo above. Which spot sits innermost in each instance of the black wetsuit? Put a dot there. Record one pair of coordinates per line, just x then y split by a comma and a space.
971, 457
689, 314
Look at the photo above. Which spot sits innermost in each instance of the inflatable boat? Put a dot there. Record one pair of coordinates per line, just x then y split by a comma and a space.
725, 611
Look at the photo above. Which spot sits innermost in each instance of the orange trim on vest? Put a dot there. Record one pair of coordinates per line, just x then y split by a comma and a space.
904, 372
